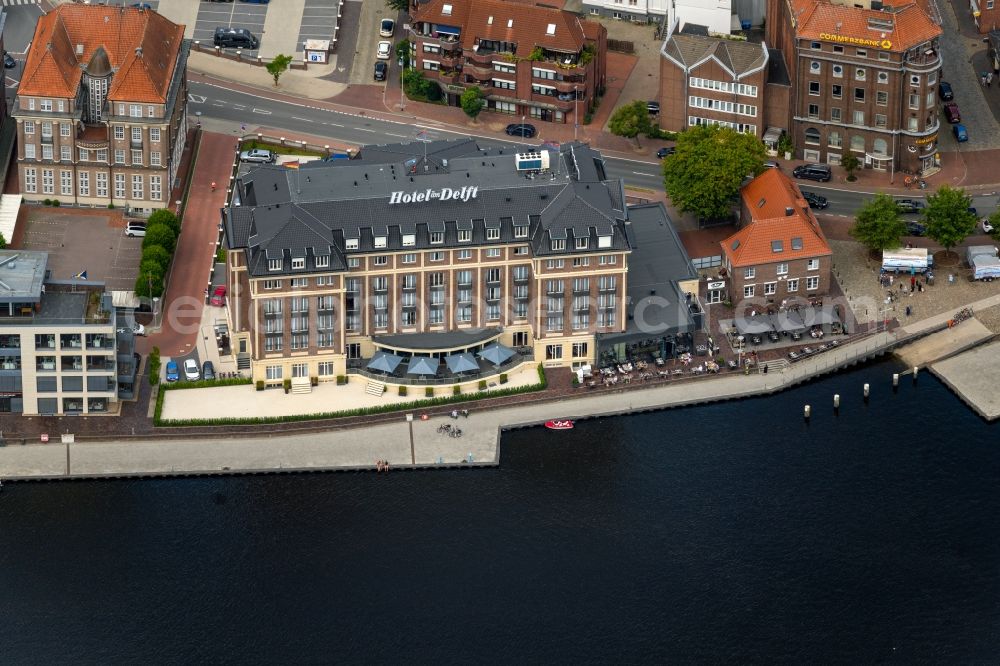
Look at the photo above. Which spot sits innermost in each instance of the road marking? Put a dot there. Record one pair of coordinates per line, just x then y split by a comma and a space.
364, 129
197, 99
305, 120
639, 173
264, 112
334, 124
401, 136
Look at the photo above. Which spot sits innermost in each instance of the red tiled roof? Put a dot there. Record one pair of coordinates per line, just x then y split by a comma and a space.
769, 197
911, 26
529, 24
69, 36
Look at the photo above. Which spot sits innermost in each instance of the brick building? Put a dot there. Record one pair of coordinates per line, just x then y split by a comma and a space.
864, 80
533, 61
985, 14
101, 108
779, 252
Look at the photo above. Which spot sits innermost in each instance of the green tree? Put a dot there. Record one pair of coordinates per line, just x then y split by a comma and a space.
149, 281
994, 222
158, 254
947, 216
851, 163
472, 101
704, 176
403, 52
154, 366
162, 235
165, 216
630, 120
3, 242
398, 5
878, 225
278, 66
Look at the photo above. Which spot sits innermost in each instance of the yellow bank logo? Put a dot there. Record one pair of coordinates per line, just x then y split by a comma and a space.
856, 41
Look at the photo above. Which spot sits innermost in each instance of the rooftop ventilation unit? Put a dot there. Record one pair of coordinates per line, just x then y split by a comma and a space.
532, 161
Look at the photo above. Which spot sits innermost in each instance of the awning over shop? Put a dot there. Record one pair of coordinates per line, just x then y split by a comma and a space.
383, 362
753, 325
788, 322
819, 316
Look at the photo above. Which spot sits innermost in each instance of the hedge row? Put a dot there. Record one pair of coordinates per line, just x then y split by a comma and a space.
361, 411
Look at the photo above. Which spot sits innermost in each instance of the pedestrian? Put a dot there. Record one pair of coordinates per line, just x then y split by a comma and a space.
989, 79
907, 310
243, 127
913, 282
213, 185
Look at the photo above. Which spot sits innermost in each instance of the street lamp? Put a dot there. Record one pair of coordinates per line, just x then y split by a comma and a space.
576, 118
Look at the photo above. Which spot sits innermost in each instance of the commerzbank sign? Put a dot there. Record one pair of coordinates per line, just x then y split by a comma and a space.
444, 194
856, 41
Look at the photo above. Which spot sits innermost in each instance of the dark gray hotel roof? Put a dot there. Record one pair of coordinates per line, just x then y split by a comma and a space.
281, 213
437, 340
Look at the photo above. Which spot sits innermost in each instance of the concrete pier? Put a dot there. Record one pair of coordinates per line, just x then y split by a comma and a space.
974, 375
944, 344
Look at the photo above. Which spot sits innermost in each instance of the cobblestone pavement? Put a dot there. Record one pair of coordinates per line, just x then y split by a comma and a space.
857, 274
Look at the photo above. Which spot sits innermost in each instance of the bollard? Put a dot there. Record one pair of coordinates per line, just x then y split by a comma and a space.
895, 380
866, 392
915, 369
806, 411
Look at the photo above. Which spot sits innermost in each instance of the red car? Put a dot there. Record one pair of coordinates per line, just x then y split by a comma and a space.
219, 295
951, 113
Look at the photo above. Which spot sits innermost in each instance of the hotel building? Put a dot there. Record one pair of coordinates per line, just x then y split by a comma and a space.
447, 248
100, 108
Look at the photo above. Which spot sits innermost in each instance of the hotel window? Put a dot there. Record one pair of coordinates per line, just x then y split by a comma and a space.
46, 151
437, 237
322, 261
493, 275
30, 181
154, 134
436, 279
838, 71
300, 341
558, 244
137, 135
749, 273
436, 316
858, 143
607, 283
493, 252
834, 140
325, 369
464, 254
102, 154
274, 264
812, 136
493, 311
435, 256
812, 283
410, 258
464, 235
493, 233
581, 320
770, 288
155, 190
272, 284
859, 74
137, 186
504, 85
64, 129
554, 287
553, 352
882, 98
464, 313
323, 280
380, 260
464, 295
520, 250
553, 264
881, 120
520, 311
65, 153
914, 101
408, 318
579, 262
813, 111
782, 269
792, 285
814, 88
554, 322
154, 158
119, 156
120, 132
464, 277
838, 91
748, 291
911, 124
353, 262
83, 155
543, 74
835, 115
273, 344
858, 117
273, 372
48, 182
298, 283
432, 48
380, 241
135, 110
520, 231
101, 184
812, 265
65, 182
29, 127
84, 185
29, 151
432, 65
505, 67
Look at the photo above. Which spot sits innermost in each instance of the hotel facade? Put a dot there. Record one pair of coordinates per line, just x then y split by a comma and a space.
415, 253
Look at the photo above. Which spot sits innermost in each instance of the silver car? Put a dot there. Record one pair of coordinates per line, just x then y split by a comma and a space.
260, 155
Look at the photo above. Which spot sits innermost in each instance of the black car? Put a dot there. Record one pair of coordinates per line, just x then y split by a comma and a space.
945, 92
663, 152
8, 61
653, 107
814, 200
915, 229
521, 129
380, 70
910, 205
207, 370
820, 172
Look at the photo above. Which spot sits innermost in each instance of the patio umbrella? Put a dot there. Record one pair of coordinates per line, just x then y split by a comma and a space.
819, 317
496, 353
459, 363
788, 322
422, 365
752, 326
384, 362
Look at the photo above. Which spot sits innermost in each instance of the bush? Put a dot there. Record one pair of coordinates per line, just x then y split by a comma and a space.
46, 202
166, 217
402, 390
286, 384
503, 378
429, 391
154, 366
576, 381
314, 381
341, 380
482, 384
55, 202
456, 390
542, 381
220, 256
111, 206
162, 235
260, 384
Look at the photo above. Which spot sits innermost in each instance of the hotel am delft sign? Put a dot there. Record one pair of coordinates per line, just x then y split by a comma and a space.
856, 41
462, 194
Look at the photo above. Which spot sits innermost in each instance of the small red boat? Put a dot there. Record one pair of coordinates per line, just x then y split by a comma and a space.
559, 424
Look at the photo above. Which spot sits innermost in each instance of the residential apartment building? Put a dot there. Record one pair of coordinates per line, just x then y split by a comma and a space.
430, 253
865, 80
723, 17
779, 252
63, 348
529, 60
100, 108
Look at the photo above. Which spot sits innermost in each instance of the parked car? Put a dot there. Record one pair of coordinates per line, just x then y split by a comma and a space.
814, 200
237, 38
8, 61
219, 295
137, 329
135, 229
663, 152
208, 370
260, 155
952, 113
386, 28
521, 129
945, 92
142, 5
915, 228
972, 209
381, 70
772, 164
910, 205
653, 107
191, 372
172, 373
961, 134
819, 172
987, 227
384, 50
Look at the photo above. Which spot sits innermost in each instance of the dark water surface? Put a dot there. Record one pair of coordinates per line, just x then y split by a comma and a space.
730, 533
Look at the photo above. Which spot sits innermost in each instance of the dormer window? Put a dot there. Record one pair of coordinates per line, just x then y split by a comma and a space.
493, 234
437, 237
274, 264
323, 261
550, 29
777, 246
380, 241
464, 235
581, 243
351, 243
510, 23
409, 240
489, 21
521, 231
558, 245
298, 263
604, 241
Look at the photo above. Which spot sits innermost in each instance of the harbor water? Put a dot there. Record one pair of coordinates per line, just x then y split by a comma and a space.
729, 533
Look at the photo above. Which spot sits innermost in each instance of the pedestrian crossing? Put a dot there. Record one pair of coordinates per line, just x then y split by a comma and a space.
14, 3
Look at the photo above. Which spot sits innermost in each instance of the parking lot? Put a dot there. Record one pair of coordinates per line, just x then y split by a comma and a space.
84, 240
319, 19
212, 15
